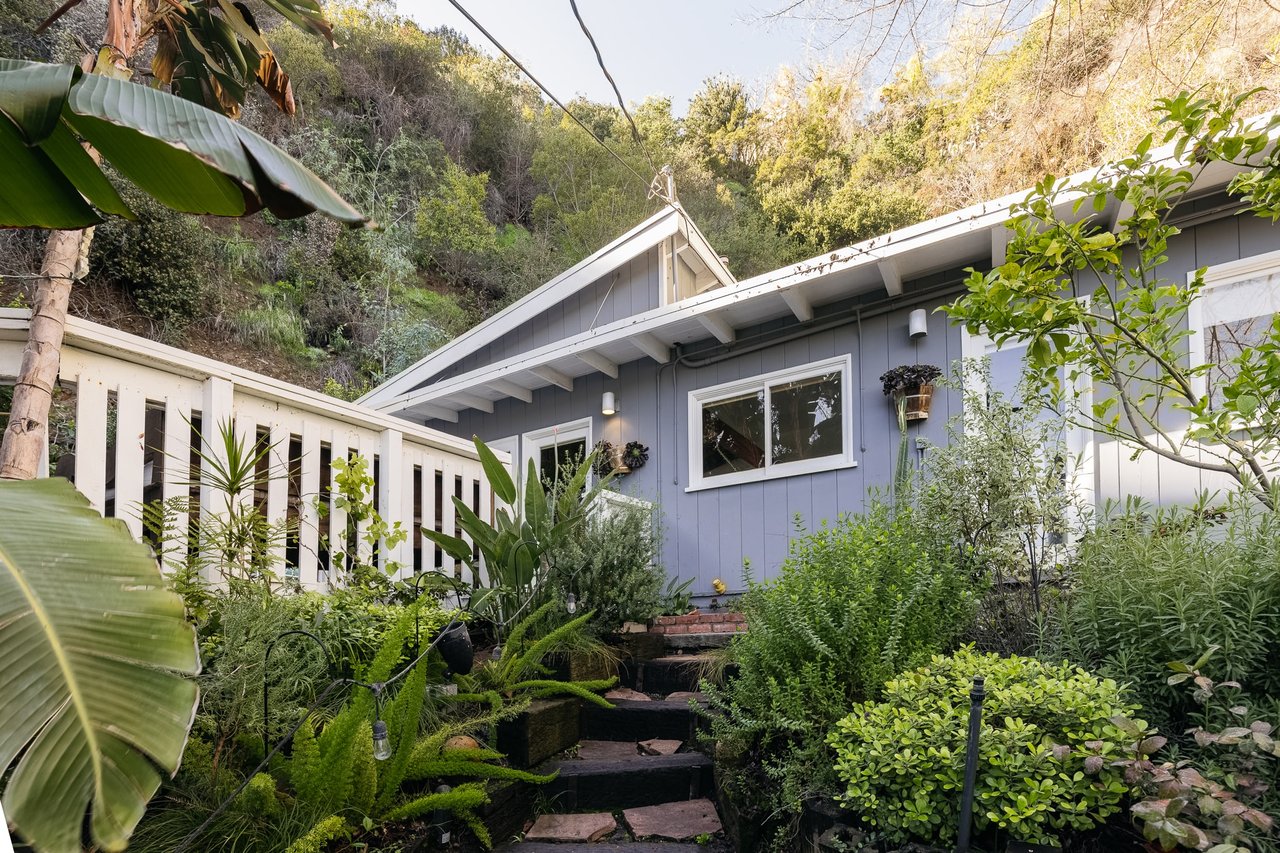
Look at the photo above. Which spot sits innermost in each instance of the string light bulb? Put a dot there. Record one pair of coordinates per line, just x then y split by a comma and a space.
571, 603
381, 742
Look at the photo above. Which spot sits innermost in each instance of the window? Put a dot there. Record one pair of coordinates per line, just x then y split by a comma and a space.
790, 422
1234, 312
556, 448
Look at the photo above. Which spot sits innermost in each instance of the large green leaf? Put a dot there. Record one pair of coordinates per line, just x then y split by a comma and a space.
187, 157
496, 473
94, 656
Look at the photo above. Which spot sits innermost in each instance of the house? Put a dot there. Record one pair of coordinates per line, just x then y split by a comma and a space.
651, 339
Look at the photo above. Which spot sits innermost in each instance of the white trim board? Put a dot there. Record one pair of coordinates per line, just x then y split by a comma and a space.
533, 442
700, 396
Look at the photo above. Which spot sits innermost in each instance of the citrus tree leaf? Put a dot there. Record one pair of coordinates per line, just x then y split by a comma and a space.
183, 155
95, 654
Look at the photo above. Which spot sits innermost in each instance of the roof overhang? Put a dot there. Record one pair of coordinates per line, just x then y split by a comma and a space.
975, 235
670, 221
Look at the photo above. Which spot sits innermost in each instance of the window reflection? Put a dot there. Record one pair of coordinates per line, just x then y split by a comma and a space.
805, 419
733, 434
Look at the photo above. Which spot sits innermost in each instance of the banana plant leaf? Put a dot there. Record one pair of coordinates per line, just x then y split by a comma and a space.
185, 156
96, 655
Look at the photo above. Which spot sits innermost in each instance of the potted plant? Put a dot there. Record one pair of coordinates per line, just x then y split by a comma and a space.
911, 386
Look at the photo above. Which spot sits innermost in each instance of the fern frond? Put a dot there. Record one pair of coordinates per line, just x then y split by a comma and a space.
443, 768
317, 839
466, 797
581, 689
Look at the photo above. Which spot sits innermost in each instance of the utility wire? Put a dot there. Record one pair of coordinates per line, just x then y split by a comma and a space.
635, 131
547, 91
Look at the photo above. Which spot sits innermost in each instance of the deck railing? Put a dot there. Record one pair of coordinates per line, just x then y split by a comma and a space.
139, 406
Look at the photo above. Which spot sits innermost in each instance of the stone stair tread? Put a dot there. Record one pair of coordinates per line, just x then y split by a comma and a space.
593, 750
677, 821
572, 827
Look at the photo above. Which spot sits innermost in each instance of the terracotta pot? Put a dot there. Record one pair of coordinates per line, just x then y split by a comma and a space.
919, 400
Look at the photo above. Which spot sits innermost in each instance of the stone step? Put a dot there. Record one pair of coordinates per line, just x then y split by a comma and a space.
612, 784
636, 720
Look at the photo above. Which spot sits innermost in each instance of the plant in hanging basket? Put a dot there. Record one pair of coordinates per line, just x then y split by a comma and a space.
908, 377
911, 385
634, 455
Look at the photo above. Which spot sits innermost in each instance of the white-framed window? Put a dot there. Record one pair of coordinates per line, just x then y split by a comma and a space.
1005, 369
1233, 313
794, 421
556, 447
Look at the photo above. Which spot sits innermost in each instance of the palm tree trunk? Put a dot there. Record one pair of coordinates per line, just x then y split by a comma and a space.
66, 259
24, 439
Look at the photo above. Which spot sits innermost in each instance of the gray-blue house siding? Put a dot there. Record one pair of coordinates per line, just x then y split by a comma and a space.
857, 304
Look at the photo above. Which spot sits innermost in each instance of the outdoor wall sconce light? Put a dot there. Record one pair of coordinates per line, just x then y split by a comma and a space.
918, 324
608, 404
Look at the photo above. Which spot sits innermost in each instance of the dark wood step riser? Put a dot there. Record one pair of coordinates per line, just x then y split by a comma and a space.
629, 783
637, 721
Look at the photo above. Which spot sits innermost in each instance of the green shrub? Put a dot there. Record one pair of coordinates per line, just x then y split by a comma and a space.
161, 259
1045, 752
855, 603
611, 564
1154, 588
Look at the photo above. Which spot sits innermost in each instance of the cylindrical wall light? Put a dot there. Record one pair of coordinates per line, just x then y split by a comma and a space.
608, 404
918, 325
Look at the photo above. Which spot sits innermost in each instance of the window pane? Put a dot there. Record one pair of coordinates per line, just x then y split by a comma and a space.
559, 461
733, 434
1224, 342
806, 419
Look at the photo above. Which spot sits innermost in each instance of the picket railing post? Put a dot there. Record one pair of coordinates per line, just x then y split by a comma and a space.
391, 491
216, 410
91, 440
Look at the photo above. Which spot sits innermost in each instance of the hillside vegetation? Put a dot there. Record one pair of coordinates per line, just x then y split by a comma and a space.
485, 191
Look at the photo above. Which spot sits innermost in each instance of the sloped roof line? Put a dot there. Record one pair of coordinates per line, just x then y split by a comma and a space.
665, 223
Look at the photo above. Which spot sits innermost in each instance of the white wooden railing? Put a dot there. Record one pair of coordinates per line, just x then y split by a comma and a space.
137, 407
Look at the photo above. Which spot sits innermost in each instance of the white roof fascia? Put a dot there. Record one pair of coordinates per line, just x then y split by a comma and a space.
640, 239
703, 247
984, 216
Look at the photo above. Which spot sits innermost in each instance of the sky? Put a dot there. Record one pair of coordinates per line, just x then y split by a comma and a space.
652, 47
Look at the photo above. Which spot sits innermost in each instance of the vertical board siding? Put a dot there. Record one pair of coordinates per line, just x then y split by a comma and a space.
709, 533
631, 289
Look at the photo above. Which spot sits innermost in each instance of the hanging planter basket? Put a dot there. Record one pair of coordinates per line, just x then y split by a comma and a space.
919, 399
912, 384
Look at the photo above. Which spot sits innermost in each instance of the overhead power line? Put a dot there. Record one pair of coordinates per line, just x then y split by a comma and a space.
457, 5
635, 131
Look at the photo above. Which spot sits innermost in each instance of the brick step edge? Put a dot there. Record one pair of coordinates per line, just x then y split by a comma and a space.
699, 622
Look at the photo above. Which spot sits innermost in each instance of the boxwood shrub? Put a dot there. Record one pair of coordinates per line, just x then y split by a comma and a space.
1049, 737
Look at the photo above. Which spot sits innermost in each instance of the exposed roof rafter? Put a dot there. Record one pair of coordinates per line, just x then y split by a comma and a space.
717, 325
652, 347
598, 362
553, 376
